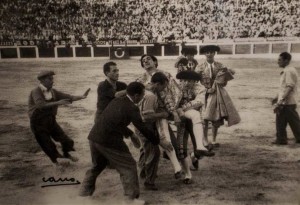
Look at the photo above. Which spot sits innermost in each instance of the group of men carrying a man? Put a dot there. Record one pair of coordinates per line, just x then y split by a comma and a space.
196, 101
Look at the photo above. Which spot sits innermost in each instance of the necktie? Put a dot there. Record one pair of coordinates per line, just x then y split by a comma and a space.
210, 70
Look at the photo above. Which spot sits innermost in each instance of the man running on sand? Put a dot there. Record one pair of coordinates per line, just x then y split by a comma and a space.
43, 104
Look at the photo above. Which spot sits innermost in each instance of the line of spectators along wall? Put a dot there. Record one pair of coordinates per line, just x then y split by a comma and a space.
148, 20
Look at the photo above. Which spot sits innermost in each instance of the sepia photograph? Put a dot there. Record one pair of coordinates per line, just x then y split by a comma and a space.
173, 102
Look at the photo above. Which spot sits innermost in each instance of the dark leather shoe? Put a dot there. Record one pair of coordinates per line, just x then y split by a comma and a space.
194, 163
200, 153
216, 145
279, 143
209, 147
187, 181
178, 175
151, 187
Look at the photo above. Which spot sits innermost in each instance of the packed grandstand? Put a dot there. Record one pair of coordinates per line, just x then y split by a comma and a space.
159, 20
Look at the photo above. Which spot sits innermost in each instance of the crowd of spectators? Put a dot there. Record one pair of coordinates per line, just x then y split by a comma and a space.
160, 20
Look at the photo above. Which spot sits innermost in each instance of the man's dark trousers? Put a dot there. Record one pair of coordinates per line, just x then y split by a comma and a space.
44, 128
122, 161
287, 115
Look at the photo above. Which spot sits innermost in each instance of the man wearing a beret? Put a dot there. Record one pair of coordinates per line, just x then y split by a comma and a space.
42, 109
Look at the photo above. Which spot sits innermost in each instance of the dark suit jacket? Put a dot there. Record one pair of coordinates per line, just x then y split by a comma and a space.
111, 127
106, 93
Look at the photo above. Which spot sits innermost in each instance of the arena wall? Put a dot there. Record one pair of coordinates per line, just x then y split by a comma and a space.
165, 50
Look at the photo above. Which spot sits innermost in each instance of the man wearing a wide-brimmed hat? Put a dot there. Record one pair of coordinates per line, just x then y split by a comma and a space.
43, 104
186, 61
218, 105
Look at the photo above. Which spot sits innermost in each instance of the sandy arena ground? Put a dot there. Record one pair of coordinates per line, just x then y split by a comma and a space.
247, 169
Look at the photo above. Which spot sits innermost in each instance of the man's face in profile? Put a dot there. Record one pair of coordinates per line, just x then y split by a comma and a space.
138, 98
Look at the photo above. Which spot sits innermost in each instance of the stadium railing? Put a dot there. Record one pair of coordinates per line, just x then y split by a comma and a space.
262, 47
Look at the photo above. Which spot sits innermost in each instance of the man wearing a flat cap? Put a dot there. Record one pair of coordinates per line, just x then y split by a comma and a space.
214, 77
43, 104
45, 73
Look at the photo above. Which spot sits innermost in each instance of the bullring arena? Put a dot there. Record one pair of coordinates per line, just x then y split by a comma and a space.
247, 168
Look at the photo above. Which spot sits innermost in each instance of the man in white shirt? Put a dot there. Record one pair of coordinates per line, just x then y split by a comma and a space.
286, 101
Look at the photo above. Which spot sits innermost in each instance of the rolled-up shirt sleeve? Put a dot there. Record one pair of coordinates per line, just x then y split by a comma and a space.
38, 98
290, 79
